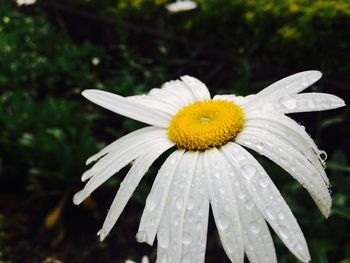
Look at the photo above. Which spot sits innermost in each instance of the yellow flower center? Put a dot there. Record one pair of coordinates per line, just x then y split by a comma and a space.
206, 124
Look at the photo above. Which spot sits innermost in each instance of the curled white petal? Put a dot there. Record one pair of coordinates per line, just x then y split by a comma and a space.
268, 199
297, 138
290, 160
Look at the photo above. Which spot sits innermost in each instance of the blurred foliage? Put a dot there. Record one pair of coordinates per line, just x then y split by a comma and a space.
51, 51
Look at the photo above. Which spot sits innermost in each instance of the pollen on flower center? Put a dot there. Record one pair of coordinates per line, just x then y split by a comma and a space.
206, 124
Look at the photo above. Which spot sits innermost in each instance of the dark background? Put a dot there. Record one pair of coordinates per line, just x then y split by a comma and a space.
52, 50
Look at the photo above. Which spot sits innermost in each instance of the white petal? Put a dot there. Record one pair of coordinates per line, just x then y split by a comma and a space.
304, 102
198, 88
155, 104
181, 90
257, 238
268, 199
127, 147
156, 199
290, 160
224, 206
124, 141
293, 133
290, 85
114, 163
170, 236
127, 108
129, 184
195, 223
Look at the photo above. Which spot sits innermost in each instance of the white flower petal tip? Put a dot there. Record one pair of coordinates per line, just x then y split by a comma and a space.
141, 237
287, 86
181, 6
79, 197
127, 107
102, 234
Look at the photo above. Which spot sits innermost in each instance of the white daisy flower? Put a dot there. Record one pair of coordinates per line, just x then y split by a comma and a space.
210, 166
25, 2
181, 6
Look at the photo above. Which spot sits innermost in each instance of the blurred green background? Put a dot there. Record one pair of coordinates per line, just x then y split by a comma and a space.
52, 50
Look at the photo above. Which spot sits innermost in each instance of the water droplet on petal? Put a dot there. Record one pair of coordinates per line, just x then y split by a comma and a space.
254, 227
163, 239
190, 204
260, 146
177, 220
283, 232
248, 171
179, 203
223, 222
241, 195
281, 216
249, 204
186, 238
270, 212
263, 181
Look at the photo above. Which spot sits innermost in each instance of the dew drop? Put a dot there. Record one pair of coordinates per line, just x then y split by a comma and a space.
254, 227
163, 239
283, 232
190, 204
270, 212
179, 203
186, 238
241, 195
260, 146
248, 171
281, 216
223, 222
249, 204
323, 155
263, 181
